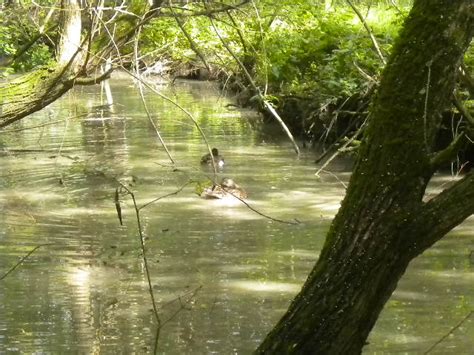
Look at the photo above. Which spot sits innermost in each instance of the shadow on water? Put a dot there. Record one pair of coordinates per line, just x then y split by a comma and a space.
85, 293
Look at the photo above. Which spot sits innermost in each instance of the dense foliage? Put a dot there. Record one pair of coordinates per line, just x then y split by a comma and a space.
303, 57
24, 42
314, 60
290, 48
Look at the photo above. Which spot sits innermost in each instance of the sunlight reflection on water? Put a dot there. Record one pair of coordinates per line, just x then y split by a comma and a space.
222, 274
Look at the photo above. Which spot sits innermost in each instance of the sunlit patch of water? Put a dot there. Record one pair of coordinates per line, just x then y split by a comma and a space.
222, 274
262, 286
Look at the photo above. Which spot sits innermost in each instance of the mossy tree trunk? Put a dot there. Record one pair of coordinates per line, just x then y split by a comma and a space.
384, 221
33, 91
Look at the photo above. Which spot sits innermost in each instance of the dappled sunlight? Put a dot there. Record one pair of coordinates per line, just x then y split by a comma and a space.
329, 207
250, 266
300, 253
79, 277
465, 229
241, 268
452, 275
403, 338
265, 286
82, 211
438, 184
31, 196
411, 295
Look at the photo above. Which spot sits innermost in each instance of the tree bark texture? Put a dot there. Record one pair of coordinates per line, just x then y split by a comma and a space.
32, 92
70, 41
384, 221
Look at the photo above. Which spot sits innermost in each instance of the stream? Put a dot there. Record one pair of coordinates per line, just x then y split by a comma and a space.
222, 272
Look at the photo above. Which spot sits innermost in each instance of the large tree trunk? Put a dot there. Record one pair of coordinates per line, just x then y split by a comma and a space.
383, 222
71, 29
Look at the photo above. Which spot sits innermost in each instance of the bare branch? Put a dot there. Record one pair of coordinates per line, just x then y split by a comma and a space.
266, 104
450, 332
459, 105
94, 80
446, 155
22, 259
208, 11
186, 112
165, 196
145, 106
369, 31
191, 42
144, 257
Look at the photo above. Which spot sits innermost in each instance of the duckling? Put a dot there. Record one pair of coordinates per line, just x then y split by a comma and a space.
226, 188
218, 159
231, 187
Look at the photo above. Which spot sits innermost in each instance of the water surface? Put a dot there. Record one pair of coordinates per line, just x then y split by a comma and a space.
222, 274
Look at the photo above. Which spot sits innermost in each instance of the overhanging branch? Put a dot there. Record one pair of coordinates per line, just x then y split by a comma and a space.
444, 212
466, 79
447, 155
94, 80
32, 92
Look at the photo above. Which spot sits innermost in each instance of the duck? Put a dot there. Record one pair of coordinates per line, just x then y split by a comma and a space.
218, 159
227, 188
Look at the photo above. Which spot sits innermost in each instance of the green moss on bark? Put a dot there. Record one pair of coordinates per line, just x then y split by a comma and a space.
32, 92
377, 230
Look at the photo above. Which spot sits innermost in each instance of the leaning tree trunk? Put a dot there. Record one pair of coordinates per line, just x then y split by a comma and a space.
34, 91
383, 222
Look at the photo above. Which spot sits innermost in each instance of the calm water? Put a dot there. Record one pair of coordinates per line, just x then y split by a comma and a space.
222, 274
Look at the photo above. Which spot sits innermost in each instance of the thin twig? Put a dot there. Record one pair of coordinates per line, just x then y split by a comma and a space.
192, 295
40, 125
143, 248
336, 177
265, 215
23, 259
207, 12
164, 196
349, 141
142, 97
260, 213
369, 31
425, 111
137, 209
186, 112
449, 333
266, 104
